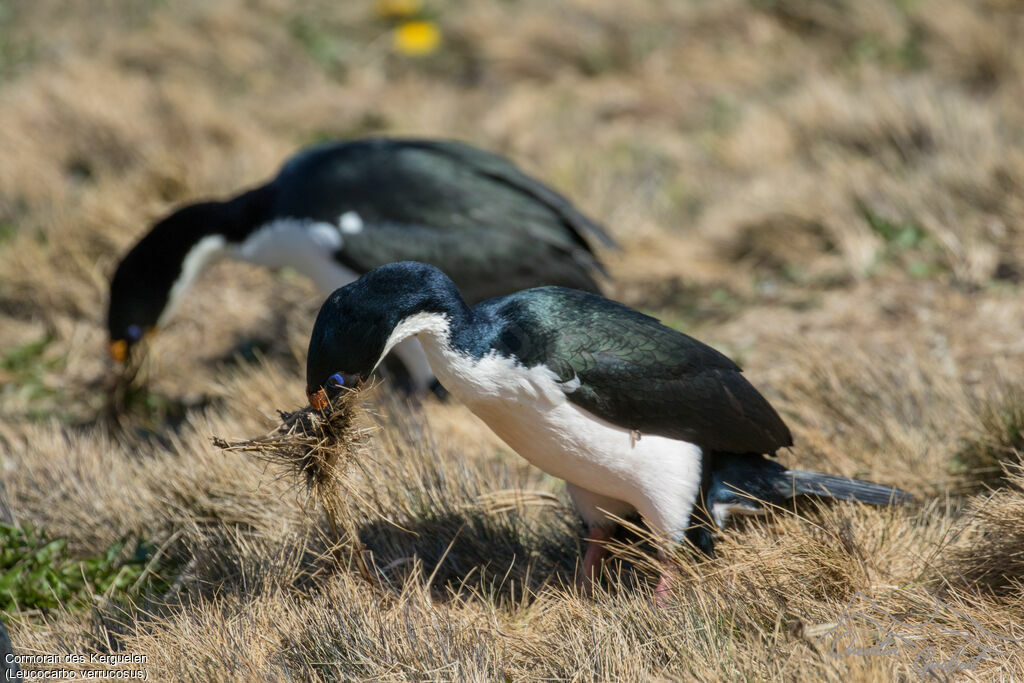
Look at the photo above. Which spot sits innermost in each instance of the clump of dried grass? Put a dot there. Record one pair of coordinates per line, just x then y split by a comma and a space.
990, 551
318, 448
996, 440
893, 420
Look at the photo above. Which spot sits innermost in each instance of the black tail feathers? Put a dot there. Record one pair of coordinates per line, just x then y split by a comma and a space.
744, 483
804, 483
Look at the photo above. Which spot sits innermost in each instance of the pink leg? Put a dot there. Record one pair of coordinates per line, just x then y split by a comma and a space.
594, 557
663, 590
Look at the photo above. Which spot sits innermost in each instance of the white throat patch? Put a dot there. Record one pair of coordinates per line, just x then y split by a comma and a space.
307, 246
205, 252
436, 325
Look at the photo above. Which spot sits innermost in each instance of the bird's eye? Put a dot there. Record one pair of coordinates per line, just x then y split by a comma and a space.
336, 380
134, 333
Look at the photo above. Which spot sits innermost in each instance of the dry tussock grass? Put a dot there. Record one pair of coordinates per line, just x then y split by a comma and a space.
830, 192
989, 551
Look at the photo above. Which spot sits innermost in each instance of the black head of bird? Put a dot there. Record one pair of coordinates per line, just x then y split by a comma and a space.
357, 324
150, 279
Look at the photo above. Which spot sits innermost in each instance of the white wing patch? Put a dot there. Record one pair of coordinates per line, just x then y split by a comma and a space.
350, 223
271, 243
720, 512
326, 235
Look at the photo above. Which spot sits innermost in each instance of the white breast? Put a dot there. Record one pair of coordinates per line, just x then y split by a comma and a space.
531, 412
305, 245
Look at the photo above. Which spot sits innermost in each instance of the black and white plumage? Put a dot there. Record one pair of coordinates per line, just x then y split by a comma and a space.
337, 210
634, 416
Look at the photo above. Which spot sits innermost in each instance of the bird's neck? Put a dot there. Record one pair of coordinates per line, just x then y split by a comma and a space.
436, 318
202, 235
229, 222
238, 217
432, 329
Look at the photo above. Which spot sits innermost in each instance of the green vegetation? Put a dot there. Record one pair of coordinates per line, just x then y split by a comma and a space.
16, 50
906, 54
906, 242
7, 231
998, 441
900, 236
323, 45
23, 369
38, 572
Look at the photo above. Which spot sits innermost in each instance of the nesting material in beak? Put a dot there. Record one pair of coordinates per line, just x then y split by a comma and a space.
122, 384
317, 445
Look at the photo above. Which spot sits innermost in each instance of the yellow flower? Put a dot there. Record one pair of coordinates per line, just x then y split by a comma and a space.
397, 9
417, 38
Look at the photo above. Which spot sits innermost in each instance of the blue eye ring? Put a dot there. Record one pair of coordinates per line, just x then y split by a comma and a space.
133, 333
336, 380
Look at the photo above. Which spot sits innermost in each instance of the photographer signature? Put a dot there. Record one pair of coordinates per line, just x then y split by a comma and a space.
846, 637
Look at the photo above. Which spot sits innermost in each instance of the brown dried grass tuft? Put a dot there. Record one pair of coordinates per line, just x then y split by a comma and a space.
991, 448
989, 553
319, 447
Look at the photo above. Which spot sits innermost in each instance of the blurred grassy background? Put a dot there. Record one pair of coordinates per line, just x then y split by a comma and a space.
831, 191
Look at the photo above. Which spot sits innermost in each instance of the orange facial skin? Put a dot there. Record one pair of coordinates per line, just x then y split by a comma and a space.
119, 348
318, 399
119, 351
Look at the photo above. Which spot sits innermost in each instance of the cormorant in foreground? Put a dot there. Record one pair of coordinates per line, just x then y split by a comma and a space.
633, 415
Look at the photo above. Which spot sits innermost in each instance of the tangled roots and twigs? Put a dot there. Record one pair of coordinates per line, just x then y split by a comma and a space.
318, 447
